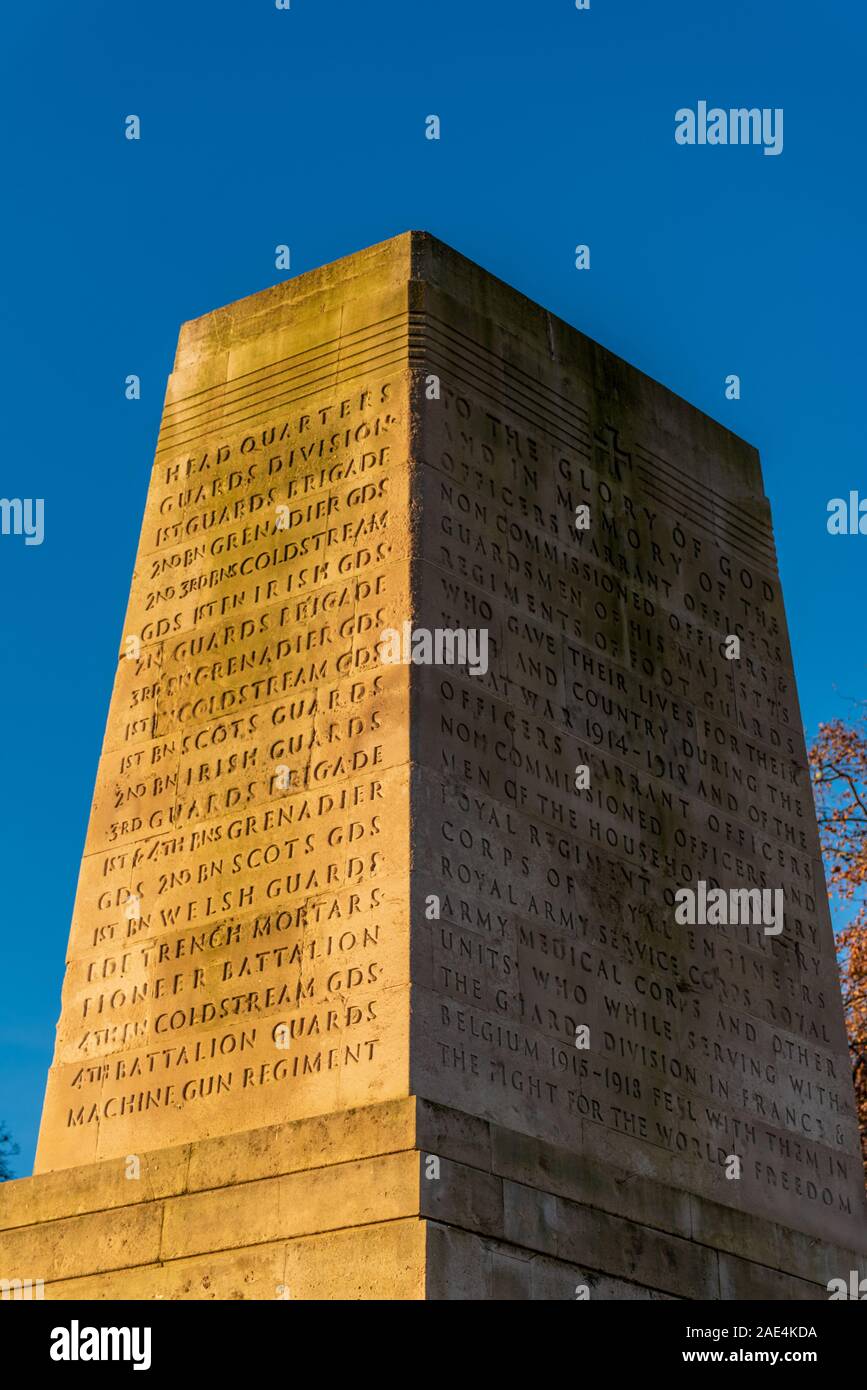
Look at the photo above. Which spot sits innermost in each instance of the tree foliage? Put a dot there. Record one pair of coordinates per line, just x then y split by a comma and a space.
838, 759
7, 1151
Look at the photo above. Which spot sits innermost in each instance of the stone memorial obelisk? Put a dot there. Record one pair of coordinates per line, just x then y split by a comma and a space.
455, 661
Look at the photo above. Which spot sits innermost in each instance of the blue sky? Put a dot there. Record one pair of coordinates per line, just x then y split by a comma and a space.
306, 127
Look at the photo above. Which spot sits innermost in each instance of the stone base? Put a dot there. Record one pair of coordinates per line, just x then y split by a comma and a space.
353, 1206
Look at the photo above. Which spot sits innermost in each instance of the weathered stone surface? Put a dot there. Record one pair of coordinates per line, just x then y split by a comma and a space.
608, 649
368, 1262
246, 864
338, 920
328, 1208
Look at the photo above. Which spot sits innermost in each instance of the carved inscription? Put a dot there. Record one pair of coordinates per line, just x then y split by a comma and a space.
233, 957
553, 904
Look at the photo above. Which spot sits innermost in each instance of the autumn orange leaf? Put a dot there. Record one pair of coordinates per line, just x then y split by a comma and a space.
838, 763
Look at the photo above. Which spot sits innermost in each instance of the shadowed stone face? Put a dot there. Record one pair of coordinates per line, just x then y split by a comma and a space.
636, 739
454, 754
